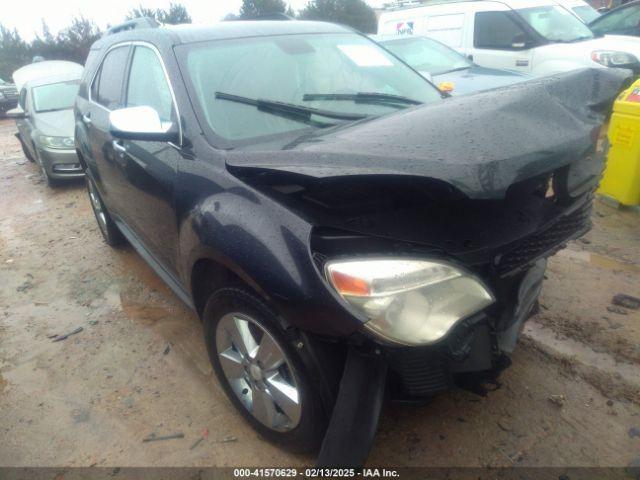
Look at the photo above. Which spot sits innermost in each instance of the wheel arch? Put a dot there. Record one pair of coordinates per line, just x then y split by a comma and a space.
208, 274
324, 360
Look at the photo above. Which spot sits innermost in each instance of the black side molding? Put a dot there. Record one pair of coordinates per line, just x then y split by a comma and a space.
355, 415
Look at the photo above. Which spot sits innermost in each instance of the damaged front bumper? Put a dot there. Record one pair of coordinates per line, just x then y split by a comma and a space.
470, 357
475, 352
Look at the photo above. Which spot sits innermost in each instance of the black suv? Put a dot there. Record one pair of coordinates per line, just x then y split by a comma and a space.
343, 229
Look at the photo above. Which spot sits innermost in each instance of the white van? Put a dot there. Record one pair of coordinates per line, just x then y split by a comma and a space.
538, 37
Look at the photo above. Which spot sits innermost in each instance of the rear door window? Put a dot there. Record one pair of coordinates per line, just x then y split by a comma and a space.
107, 85
496, 31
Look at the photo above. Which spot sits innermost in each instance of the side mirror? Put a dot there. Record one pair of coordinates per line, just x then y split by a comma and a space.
519, 41
16, 114
143, 124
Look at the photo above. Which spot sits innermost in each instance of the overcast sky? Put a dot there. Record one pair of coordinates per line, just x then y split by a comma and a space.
27, 15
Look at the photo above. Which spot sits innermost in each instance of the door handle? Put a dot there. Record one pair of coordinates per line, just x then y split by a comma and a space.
470, 57
118, 147
86, 119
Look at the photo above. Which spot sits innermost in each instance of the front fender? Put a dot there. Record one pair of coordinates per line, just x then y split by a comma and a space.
267, 246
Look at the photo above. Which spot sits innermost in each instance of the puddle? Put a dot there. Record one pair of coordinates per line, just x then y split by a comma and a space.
145, 314
133, 264
175, 324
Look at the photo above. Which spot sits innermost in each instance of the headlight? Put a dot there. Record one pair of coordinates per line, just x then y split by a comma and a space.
410, 302
1, 95
65, 143
612, 58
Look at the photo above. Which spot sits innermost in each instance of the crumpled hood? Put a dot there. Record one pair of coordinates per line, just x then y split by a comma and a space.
56, 124
480, 144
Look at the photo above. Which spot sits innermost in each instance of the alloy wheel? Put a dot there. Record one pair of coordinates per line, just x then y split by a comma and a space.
258, 371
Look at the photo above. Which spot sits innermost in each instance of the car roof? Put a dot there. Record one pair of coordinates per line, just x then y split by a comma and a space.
191, 33
48, 68
38, 82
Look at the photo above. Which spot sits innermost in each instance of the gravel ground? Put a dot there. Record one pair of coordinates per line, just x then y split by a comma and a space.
139, 366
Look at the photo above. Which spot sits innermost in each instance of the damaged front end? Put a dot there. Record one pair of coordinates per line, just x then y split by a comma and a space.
490, 184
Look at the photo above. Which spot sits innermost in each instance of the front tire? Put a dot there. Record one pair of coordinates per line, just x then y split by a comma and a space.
260, 371
26, 152
51, 182
109, 230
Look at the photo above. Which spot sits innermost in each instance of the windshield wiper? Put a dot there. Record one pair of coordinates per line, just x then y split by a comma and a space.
362, 97
453, 70
290, 110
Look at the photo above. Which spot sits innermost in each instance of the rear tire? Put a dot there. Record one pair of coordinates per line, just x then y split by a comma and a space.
109, 230
281, 403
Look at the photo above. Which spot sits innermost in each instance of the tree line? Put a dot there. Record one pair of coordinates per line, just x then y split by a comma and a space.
73, 42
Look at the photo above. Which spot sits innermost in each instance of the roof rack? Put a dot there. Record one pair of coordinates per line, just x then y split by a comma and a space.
401, 4
134, 24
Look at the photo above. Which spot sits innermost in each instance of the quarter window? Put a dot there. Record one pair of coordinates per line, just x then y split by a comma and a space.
148, 85
496, 30
107, 86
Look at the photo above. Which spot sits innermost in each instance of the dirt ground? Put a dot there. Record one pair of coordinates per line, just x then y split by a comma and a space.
139, 366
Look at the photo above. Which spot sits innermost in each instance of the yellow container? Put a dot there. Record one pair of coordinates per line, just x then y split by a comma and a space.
621, 180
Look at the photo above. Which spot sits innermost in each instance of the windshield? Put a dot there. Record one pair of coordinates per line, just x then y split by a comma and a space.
555, 23
55, 96
586, 12
427, 55
620, 19
307, 70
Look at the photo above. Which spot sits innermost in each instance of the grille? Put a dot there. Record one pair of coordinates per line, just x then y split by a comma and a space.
545, 242
10, 94
420, 372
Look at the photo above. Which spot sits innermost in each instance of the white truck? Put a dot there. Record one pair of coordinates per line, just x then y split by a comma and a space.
538, 37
